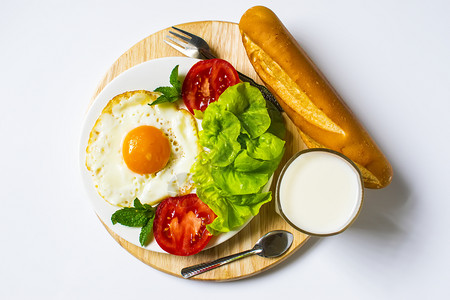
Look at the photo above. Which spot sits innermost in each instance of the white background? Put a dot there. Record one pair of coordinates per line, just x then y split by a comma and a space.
390, 60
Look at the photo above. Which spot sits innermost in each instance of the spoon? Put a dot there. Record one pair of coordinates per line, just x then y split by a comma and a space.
272, 244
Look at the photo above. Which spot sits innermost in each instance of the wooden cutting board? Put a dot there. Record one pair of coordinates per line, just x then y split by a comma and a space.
225, 41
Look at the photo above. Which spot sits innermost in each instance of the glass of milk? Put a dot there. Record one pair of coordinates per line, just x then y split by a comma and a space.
319, 192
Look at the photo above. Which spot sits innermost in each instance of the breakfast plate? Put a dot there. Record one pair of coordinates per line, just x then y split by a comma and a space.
145, 76
225, 40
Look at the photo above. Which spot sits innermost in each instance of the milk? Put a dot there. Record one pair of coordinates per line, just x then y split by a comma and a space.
320, 192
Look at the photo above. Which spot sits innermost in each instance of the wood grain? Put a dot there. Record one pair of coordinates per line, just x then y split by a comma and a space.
225, 41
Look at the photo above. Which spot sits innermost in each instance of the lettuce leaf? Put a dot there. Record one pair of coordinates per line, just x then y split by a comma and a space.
266, 147
240, 156
232, 210
249, 106
247, 175
220, 131
245, 163
239, 183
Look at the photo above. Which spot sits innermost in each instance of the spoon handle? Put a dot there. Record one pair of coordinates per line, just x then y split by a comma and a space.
204, 267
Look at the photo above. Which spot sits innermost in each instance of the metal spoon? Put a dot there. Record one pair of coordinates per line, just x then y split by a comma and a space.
272, 244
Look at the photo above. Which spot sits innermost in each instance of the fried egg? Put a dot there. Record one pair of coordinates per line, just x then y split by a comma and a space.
138, 150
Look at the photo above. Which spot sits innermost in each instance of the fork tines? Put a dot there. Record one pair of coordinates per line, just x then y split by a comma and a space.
177, 44
184, 32
189, 44
182, 42
182, 37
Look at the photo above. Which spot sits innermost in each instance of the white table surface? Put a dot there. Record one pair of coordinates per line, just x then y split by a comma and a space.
390, 60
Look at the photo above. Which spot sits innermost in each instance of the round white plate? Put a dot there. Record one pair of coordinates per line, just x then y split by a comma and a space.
146, 76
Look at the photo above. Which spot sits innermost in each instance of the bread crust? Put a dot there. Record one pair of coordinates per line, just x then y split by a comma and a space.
322, 117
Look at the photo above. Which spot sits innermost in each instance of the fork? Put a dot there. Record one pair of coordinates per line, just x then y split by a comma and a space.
194, 46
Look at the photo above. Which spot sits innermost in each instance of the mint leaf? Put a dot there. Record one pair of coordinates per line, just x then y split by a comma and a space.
141, 215
160, 99
173, 79
138, 204
148, 207
146, 231
169, 93
131, 217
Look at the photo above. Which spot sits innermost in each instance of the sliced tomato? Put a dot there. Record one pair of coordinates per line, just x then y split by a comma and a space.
179, 227
206, 81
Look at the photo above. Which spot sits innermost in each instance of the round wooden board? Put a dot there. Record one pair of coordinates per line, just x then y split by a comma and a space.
225, 41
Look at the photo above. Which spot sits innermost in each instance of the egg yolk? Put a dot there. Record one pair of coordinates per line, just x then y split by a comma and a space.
146, 150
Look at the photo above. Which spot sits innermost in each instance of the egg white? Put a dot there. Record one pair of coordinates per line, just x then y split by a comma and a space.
117, 184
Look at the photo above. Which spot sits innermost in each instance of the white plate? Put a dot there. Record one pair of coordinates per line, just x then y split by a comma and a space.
146, 76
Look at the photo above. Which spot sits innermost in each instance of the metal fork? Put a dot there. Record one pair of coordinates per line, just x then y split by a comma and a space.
194, 46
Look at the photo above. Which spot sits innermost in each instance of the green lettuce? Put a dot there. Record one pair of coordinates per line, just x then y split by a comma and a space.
266, 147
220, 132
239, 183
246, 175
241, 134
245, 163
248, 105
232, 210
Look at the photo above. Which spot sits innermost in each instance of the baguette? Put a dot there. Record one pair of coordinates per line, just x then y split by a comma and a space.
322, 118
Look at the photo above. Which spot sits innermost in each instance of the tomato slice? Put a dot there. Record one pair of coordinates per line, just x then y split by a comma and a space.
180, 222
206, 81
